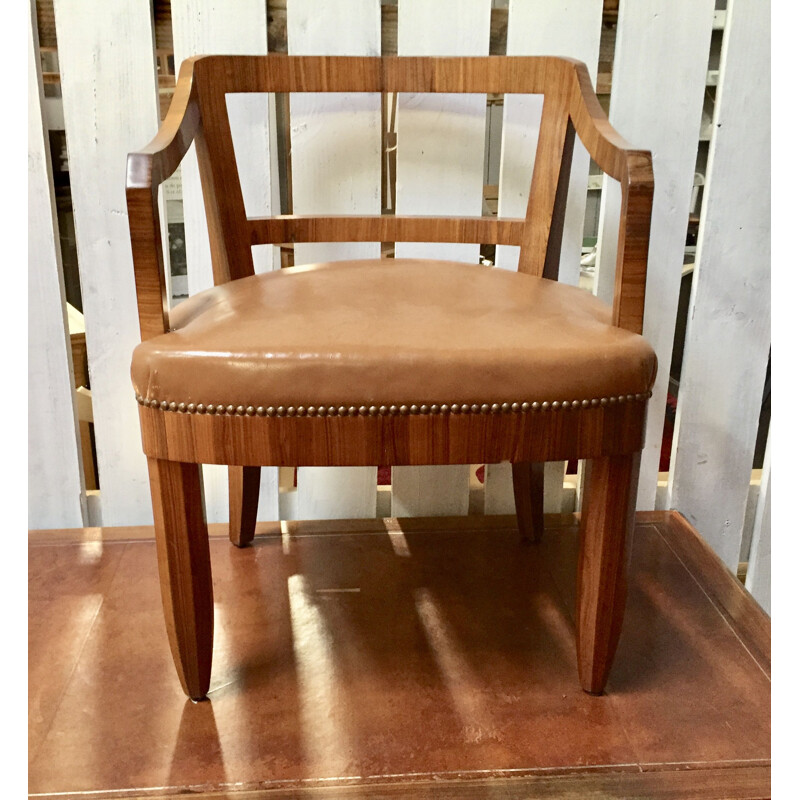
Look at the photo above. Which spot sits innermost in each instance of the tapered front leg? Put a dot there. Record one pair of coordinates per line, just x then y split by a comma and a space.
607, 518
185, 570
243, 486
528, 478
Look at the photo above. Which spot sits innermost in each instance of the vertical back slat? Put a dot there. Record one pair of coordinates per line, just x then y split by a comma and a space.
55, 480
440, 148
759, 569
231, 253
552, 257
336, 169
540, 27
728, 330
108, 85
660, 66
204, 27
544, 221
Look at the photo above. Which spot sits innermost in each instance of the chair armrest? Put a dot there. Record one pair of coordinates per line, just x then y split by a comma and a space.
633, 168
153, 164
147, 169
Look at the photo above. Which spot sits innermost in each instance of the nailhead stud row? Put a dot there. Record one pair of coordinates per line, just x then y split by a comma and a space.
383, 411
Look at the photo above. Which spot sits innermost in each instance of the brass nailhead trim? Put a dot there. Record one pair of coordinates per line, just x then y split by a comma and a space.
387, 411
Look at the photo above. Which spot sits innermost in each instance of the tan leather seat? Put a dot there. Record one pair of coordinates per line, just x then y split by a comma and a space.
390, 332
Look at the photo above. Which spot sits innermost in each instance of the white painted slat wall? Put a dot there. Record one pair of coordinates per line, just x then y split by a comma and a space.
660, 66
336, 169
759, 570
536, 28
659, 74
540, 27
439, 171
108, 84
205, 27
55, 479
728, 331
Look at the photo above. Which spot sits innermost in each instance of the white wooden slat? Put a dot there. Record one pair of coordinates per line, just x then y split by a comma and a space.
753, 494
207, 27
108, 84
336, 138
657, 92
53, 112
554, 474
728, 331
441, 137
759, 569
499, 495
570, 28
498, 489
336, 169
494, 141
541, 27
439, 171
579, 485
521, 120
55, 479
430, 491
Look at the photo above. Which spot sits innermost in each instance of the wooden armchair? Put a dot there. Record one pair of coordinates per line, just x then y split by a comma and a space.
480, 365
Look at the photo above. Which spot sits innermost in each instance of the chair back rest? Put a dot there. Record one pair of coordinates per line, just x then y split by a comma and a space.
562, 82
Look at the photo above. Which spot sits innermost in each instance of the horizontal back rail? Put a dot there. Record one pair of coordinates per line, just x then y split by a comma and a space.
387, 228
471, 74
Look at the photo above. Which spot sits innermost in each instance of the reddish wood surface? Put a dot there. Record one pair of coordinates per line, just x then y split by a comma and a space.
365, 441
734, 602
544, 222
243, 489
185, 570
528, 480
607, 518
686, 714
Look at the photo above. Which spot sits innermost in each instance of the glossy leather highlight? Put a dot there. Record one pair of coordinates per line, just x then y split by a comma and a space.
387, 332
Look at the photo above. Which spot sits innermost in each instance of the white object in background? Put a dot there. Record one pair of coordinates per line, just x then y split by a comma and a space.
439, 172
657, 94
336, 169
56, 496
728, 332
103, 58
759, 570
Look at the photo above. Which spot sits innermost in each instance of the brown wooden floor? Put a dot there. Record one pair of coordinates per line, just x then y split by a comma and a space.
423, 661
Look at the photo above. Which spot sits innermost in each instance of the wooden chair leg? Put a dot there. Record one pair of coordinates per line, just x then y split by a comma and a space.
243, 486
607, 519
528, 478
185, 570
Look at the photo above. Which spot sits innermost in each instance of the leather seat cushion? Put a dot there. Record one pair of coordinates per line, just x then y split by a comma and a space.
392, 331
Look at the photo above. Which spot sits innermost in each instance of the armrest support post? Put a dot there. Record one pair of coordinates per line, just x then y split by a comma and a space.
634, 239
633, 168
148, 259
147, 169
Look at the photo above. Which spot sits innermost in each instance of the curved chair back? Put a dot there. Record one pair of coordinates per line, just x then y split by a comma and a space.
199, 113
